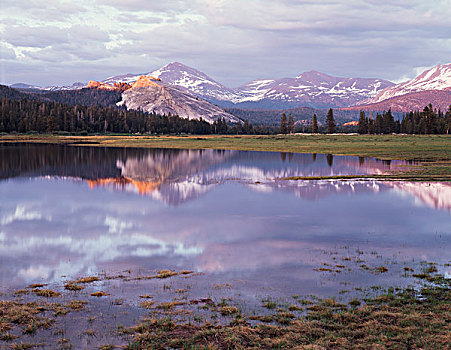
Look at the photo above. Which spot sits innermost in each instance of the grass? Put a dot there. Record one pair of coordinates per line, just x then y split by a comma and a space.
166, 274
73, 286
28, 317
89, 279
388, 318
395, 321
47, 293
432, 151
147, 304
407, 147
228, 310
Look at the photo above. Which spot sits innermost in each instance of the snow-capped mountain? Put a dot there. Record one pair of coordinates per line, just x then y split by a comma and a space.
436, 78
312, 88
186, 78
194, 81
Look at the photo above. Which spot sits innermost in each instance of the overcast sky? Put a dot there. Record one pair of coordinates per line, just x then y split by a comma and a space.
56, 42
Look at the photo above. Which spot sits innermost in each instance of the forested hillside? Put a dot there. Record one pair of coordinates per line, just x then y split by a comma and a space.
26, 115
84, 97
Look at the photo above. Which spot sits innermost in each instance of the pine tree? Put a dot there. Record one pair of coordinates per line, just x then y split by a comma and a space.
388, 122
378, 124
246, 126
370, 125
330, 122
314, 124
51, 124
448, 120
239, 128
291, 124
283, 124
363, 124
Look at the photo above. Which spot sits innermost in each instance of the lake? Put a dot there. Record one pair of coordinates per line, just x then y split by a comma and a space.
71, 211
226, 224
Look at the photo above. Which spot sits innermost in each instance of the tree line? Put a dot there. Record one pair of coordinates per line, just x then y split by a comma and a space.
428, 121
288, 127
36, 116
25, 116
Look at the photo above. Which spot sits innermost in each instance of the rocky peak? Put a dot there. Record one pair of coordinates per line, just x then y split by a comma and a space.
121, 86
145, 81
98, 85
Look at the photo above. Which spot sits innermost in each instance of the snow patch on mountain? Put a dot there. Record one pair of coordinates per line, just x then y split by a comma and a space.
436, 78
309, 88
314, 89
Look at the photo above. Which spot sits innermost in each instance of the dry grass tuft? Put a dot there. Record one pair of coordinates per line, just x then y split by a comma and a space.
87, 279
146, 296
47, 293
166, 273
36, 285
76, 304
228, 310
73, 286
147, 304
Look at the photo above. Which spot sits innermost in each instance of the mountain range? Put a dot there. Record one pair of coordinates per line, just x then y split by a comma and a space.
309, 89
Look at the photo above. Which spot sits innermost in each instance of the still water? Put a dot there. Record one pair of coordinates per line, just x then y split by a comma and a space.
69, 211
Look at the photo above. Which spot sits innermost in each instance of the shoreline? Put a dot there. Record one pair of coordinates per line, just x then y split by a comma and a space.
431, 153
383, 147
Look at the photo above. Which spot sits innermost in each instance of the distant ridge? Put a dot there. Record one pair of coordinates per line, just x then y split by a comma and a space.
409, 102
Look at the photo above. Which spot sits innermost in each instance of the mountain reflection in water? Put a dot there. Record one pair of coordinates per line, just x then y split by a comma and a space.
223, 212
176, 176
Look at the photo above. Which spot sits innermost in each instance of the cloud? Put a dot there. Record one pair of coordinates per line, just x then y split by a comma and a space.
6, 52
44, 36
21, 214
34, 36
145, 5
233, 41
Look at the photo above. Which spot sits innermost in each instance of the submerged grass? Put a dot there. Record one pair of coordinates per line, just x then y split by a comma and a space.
395, 321
391, 318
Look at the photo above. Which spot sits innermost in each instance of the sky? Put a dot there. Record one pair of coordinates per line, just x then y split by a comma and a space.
58, 42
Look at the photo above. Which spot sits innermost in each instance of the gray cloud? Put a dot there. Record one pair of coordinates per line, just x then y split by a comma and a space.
6, 53
233, 41
145, 5
44, 36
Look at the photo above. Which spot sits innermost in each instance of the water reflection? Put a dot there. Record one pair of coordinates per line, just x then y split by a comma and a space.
52, 223
176, 176
160, 165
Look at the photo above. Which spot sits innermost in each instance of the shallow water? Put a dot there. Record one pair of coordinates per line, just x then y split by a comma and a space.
72, 211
